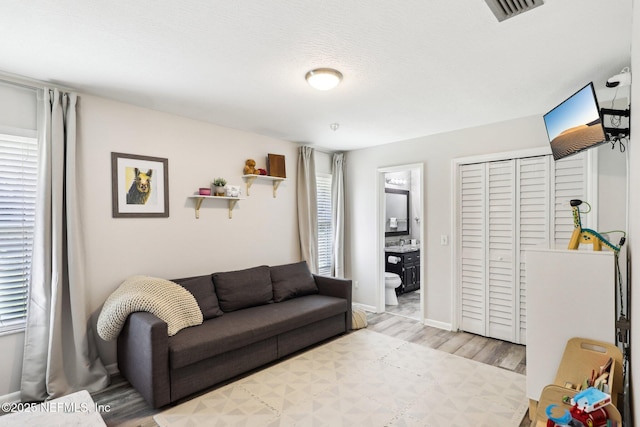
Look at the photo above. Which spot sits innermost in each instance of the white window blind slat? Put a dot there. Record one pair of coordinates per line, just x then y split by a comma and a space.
18, 179
325, 234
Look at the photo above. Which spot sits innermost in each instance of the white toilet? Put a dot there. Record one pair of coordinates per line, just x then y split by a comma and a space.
391, 282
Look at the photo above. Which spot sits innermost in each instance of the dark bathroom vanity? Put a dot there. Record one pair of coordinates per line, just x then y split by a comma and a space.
407, 267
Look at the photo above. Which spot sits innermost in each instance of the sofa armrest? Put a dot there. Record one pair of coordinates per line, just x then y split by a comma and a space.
143, 357
339, 288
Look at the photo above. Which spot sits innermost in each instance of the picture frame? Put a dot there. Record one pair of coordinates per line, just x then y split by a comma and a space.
139, 186
276, 165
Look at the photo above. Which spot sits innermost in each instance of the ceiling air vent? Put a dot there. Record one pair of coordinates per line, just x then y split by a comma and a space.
505, 9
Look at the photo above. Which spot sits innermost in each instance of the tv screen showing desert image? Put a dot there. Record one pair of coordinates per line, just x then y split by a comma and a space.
575, 125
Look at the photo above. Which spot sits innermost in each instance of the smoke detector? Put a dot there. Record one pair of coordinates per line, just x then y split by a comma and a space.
505, 9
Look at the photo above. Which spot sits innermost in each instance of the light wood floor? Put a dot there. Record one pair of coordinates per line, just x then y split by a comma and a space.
408, 305
128, 409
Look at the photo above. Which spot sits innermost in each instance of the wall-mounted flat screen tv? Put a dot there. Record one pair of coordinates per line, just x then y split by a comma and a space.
576, 124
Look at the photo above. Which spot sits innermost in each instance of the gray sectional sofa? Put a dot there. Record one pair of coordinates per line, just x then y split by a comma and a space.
251, 317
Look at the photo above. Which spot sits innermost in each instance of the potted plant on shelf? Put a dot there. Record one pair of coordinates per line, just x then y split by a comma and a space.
218, 185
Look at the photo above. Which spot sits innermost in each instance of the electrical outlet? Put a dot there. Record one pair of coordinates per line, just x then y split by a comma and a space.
444, 240
356, 284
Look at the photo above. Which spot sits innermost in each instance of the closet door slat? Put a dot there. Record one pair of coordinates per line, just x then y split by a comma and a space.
472, 270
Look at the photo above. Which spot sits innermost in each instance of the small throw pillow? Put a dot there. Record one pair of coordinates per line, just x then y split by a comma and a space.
243, 288
201, 288
292, 280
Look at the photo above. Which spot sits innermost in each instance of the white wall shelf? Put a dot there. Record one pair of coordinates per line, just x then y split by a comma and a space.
199, 199
275, 179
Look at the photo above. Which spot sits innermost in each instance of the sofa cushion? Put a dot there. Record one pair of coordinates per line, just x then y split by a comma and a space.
292, 280
201, 288
243, 288
241, 328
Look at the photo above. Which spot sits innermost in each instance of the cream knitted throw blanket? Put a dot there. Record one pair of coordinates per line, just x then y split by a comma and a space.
165, 299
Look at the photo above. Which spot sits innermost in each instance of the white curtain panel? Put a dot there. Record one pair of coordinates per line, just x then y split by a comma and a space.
337, 214
308, 207
60, 356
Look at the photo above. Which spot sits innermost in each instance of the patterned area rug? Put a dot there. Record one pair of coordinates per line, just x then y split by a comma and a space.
363, 379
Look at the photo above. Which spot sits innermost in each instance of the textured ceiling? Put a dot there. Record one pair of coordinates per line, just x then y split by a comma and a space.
411, 67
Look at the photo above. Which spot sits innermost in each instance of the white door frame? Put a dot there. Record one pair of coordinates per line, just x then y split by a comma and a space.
380, 265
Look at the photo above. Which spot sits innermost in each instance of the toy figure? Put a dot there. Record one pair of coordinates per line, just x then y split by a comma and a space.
588, 236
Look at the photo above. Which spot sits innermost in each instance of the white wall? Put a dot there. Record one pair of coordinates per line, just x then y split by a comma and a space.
324, 162
437, 153
18, 110
180, 245
263, 230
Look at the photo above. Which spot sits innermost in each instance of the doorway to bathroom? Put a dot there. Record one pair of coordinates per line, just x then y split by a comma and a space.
400, 231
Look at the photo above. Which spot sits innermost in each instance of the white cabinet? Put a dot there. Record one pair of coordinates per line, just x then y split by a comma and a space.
570, 294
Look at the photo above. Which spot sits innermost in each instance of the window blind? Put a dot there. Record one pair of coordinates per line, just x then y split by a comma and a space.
18, 179
325, 234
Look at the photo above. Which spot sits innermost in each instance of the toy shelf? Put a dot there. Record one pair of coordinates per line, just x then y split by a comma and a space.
199, 199
275, 179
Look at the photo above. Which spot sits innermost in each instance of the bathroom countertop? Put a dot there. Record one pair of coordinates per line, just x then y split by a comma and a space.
405, 248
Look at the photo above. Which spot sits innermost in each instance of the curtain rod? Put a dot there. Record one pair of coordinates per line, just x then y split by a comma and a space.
321, 151
15, 83
328, 152
28, 83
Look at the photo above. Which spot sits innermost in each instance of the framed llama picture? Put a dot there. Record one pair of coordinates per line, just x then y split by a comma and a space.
139, 186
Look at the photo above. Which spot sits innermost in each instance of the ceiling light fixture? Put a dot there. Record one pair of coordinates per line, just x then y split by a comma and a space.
323, 78
334, 126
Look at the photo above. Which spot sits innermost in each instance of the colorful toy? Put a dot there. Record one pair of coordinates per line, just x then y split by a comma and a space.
577, 417
586, 235
566, 420
590, 399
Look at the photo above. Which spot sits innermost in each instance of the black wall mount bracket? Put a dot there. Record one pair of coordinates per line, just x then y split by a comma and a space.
616, 132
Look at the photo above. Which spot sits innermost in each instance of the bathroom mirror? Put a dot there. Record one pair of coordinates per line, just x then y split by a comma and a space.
396, 212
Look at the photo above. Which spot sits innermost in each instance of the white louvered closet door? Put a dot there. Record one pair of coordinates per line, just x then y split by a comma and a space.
500, 277
472, 248
533, 224
506, 208
487, 222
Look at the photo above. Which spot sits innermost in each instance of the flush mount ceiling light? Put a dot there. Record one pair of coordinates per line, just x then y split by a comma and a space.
323, 78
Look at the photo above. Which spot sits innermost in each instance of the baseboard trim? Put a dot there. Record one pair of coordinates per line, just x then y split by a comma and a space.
438, 324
